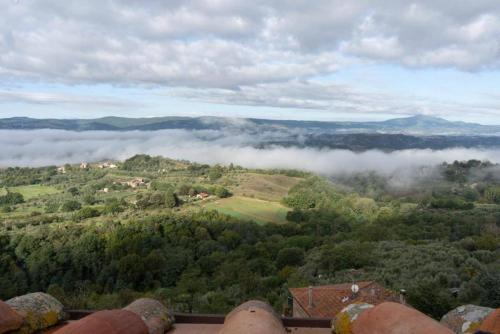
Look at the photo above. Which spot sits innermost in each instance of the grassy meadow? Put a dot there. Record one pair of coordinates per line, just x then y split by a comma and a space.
247, 208
31, 191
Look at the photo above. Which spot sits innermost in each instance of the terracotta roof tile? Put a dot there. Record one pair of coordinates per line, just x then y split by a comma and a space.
328, 300
9, 319
215, 328
252, 317
492, 323
154, 314
394, 318
107, 322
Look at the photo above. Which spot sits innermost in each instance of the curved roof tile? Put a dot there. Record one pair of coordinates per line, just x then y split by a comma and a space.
9, 319
394, 318
492, 323
253, 317
107, 322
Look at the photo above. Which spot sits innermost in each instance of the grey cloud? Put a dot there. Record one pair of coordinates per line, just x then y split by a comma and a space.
221, 44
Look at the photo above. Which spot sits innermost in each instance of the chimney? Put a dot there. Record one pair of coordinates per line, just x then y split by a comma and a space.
402, 294
310, 297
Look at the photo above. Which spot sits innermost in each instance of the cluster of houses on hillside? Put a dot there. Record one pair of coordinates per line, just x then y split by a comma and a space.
136, 182
107, 165
85, 165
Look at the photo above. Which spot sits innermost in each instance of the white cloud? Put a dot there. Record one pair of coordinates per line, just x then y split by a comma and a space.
335, 98
221, 43
10, 96
241, 49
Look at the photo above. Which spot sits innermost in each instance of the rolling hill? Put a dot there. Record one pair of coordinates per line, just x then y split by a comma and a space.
415, 125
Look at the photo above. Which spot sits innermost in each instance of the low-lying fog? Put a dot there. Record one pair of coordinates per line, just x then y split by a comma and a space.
55, 147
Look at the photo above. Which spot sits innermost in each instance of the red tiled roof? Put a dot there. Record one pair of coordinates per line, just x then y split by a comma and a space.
142, 317
328, 300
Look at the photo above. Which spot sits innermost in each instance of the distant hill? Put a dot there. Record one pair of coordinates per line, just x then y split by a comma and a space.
415, 125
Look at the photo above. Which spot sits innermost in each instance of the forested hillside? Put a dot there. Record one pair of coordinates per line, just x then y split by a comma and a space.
206, 238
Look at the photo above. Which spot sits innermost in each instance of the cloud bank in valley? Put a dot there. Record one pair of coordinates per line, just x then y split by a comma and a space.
55, 147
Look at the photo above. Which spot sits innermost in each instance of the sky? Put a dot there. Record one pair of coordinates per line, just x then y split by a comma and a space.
321, 60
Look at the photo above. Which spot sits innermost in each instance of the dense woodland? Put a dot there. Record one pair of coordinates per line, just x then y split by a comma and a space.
94, 241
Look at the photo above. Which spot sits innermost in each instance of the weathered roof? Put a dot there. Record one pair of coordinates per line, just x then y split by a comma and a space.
107, 322
9, 319
147, 316
328, 300
394, 318
215, 329
492, 323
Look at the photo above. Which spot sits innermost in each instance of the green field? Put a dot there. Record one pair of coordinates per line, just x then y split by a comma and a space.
248, 208
264, 186
32, 191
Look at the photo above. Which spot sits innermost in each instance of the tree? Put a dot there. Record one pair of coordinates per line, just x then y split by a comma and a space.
11, 198
6, 209
346, 255
131, 269
51, 206
171, 199
114, 206
85, 213
74, 191
430, 298
292, 256
222, 192
492, 194
191, 285
89, 199
215, 173
71, 205
184, 189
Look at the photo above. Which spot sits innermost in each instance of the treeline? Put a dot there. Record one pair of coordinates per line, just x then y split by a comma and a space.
17, 176
208, 262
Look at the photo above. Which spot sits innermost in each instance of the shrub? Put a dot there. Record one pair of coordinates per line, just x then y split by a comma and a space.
222, 192
69, 206
171, 199
51, 207
11, 198
74, 191
215, 173
85, 213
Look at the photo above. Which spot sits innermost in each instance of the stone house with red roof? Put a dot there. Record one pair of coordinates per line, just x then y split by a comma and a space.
327, 300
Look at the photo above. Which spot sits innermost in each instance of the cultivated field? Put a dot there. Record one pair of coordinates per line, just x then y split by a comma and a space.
31, 191
247, 208
264, 186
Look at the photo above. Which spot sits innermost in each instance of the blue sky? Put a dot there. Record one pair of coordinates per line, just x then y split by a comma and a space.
326, 60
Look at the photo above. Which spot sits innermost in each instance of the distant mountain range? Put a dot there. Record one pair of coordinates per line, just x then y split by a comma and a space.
415, 125
417, 132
